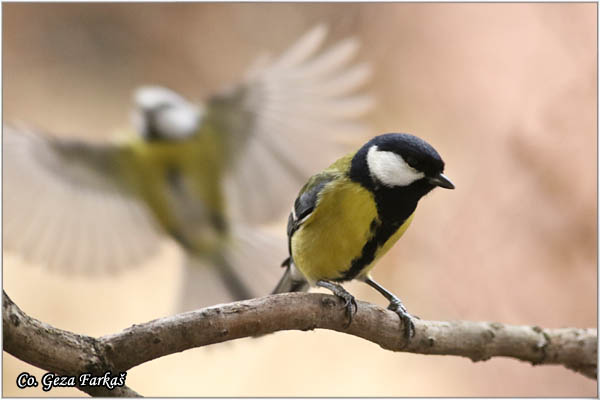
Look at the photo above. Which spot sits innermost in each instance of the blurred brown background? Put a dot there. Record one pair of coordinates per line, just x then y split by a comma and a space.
505, 92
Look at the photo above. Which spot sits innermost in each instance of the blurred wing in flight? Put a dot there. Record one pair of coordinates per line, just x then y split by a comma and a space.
66, 205
287, 120
73, 205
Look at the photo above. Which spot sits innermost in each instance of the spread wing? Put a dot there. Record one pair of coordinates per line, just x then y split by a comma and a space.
66, 205
288, 119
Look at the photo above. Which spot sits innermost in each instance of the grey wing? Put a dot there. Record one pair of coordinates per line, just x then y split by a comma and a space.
294, 115
306, 202
66, 208
303, 207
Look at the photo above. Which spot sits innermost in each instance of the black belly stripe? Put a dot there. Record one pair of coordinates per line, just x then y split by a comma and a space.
175, 182
218, 222
382, 232
394, 206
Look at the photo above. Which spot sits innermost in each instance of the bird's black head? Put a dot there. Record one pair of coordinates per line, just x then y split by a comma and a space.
399, 161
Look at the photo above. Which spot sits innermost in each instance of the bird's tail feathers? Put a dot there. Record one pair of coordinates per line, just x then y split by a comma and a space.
247, 267
201, 285
255, 254
291, 281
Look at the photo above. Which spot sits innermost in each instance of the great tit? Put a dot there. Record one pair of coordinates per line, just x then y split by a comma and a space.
203, 174
348, 216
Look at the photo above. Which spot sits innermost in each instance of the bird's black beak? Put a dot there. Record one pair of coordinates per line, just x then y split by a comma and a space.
442, 181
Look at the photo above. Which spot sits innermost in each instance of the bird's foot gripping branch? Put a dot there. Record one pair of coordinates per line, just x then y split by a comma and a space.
68, 354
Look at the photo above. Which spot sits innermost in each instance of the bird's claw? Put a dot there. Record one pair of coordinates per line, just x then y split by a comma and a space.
405, 317
349, 301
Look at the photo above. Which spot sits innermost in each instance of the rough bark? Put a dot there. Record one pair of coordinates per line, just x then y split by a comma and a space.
64, 352
55, 350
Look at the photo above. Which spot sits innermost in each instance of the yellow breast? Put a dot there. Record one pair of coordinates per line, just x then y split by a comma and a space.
328, 241
186, 209
335, 234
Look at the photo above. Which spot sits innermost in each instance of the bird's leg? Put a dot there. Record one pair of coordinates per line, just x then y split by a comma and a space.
396, 306
340, 292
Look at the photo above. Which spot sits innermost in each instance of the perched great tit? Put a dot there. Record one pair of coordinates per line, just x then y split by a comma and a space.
348, 216
202, 174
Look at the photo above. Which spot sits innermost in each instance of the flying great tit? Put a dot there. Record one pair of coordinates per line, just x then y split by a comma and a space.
348, 216
203, 174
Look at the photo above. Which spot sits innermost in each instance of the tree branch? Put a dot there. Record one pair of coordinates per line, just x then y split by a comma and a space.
55, 350
67, 353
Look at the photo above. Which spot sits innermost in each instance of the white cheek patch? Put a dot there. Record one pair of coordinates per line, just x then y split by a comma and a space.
390, 169
179, 121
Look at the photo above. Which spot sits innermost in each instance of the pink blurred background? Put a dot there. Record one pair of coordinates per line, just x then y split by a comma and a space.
507, 93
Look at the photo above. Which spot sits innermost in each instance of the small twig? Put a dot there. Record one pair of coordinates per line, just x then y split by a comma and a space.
64, 352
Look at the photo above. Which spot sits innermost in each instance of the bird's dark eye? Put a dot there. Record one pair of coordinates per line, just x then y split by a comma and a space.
410, 160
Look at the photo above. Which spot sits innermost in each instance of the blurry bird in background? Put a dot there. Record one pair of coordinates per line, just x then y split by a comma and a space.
206, 175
